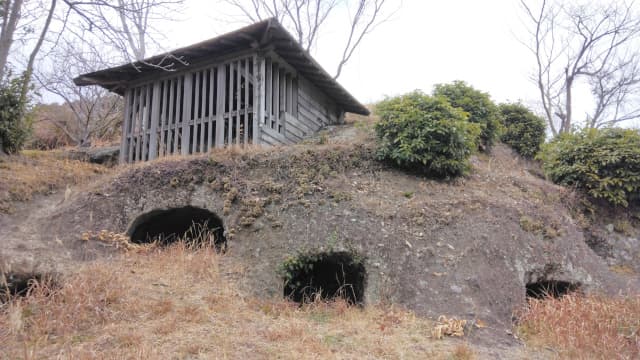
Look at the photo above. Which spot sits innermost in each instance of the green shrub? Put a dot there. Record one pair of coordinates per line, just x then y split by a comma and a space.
522, 130
425, 134
604, 163
478, 104
13, 129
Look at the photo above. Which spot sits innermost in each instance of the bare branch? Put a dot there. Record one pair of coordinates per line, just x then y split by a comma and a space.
598, 45
307, 18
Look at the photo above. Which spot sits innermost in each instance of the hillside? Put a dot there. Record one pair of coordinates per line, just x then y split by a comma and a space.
473, 248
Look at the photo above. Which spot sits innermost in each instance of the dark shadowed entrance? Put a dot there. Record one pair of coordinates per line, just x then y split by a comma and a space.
328, 276
188, 223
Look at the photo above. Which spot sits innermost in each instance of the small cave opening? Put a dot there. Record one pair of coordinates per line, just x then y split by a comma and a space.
14, 284
327, 276
543, 289
188, 223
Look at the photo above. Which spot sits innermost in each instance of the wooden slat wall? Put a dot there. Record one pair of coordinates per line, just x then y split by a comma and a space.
314, 110
251, 99
191, 112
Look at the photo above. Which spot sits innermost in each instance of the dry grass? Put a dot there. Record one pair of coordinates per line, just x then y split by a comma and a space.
579, 327
40, 172
182, 303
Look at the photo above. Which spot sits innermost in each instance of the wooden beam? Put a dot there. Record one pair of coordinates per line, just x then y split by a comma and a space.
196, 104
126, 124
155, 119
163, 117
294, 98
258, 96
220, 106
212, 84
171, 119
186, 113
146, 122
268, 84
276, 98
230, 122
203, 109
245, 139
134, 119
178, 119
238, 100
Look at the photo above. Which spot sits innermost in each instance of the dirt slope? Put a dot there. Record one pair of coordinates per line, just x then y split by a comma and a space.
465, 248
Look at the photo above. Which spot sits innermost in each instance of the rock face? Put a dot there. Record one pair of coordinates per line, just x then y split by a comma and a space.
103, 155
456, 248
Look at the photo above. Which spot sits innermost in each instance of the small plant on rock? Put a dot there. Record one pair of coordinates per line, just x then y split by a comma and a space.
523, 130
605, 163
481, 109
425, 134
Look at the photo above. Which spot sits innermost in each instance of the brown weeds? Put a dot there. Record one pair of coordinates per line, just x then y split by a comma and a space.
177, 302
582, 327
40, 172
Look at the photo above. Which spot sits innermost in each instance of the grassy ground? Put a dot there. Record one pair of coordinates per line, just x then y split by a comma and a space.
578, 327
182, 303
40, 172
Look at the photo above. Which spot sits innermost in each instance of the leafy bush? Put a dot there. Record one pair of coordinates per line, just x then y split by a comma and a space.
523, 130
425, 134
479, 106
604, 163
13, 130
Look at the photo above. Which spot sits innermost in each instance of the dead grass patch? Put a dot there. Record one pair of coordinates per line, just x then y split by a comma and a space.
580, 327
40, 172
177, 302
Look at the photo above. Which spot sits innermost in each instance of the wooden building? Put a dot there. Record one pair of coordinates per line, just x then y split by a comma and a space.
256, 85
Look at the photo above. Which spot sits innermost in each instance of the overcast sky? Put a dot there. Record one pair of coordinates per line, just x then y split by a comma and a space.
424, 43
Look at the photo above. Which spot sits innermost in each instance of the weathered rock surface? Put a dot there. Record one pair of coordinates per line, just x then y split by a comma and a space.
456, 248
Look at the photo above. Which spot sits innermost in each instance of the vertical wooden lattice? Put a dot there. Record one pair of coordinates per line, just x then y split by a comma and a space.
192, 112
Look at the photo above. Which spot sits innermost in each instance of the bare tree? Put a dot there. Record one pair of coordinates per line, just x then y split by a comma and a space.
306, 19
597, 44
127, 26
10, 16
95, 111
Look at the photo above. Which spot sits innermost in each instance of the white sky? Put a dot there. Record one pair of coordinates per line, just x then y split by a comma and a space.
424, 43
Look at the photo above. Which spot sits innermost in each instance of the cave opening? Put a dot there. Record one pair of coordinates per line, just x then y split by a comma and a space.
543, 289
326, 276
192, 224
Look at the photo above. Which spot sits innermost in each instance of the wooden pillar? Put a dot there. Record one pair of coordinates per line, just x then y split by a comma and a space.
294, 98
220, 106
177, 118
203, 109
170, 117
290, 93
186, 114
141, 118
145, 123
211, 108
163, 118
238, 100
126, 127
134, 117
268, 85
230, 122
245, 140
155, 120
259, 70
196, 105
276, 98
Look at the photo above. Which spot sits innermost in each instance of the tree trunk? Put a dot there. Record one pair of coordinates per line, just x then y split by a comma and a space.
9, 24
26, 79
566, 122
